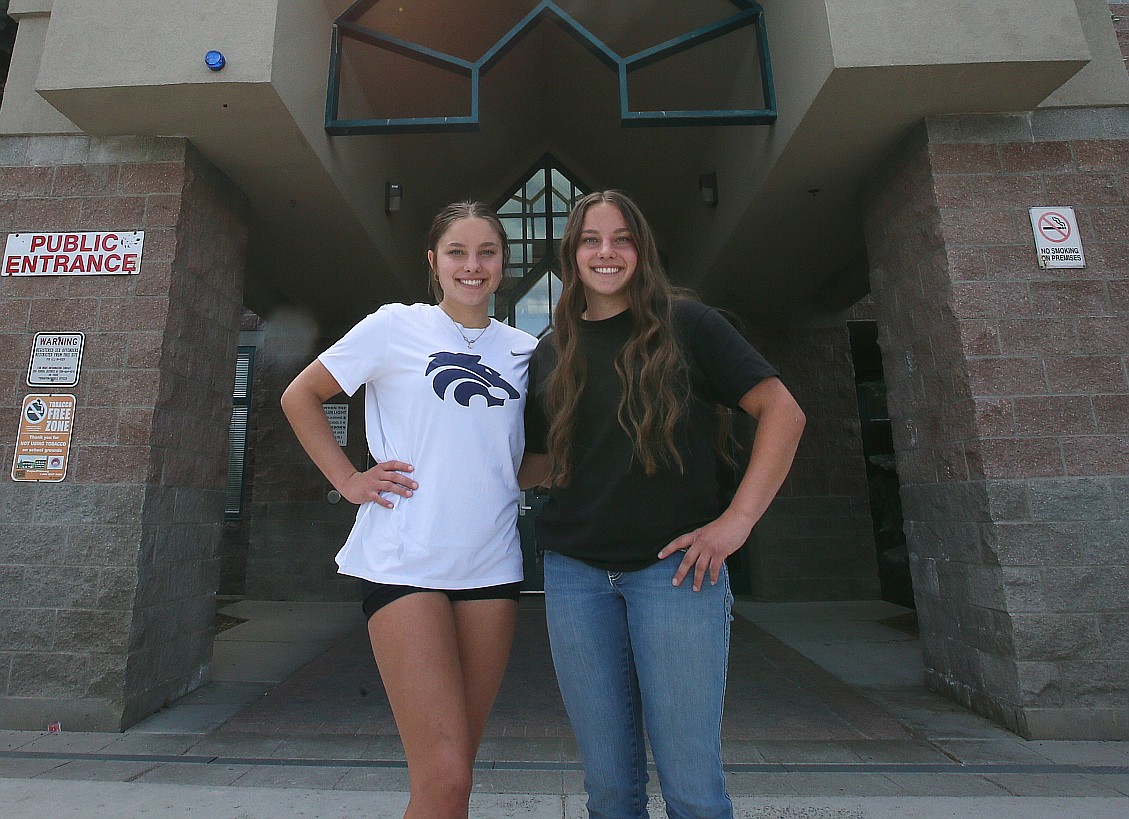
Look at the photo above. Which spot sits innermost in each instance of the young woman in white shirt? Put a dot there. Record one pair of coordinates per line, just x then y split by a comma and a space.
435, 542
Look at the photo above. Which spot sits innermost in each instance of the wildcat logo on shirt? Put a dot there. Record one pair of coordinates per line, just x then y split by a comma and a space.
470, 376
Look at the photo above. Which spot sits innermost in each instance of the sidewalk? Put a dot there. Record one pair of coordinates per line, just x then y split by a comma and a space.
826, 717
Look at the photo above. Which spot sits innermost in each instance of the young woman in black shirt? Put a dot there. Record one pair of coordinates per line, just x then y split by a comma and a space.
621, 422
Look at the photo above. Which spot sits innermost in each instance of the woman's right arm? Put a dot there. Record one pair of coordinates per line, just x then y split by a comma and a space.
302, 403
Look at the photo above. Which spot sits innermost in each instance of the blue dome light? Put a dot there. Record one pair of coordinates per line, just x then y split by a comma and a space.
215, 60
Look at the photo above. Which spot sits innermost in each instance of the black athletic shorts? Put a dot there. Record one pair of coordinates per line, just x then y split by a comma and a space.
379, 595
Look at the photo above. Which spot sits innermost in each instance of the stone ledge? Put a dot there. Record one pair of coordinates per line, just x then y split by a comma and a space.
1102, 724
35, 714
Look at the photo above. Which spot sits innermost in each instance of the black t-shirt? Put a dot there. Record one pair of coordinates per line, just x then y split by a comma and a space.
612, 515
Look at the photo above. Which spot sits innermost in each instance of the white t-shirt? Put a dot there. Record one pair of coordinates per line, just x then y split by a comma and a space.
455, 414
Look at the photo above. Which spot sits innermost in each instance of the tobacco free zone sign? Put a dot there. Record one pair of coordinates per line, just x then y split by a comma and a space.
43, 443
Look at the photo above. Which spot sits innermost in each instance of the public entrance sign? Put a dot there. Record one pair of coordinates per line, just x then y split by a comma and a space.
74, 254
43, 444
55, 360
1056, 238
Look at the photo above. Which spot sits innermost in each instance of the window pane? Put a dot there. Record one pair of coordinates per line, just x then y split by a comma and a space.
532, 312
546, 194
535, 185
236, 451
539, 249
237, 432
242, 378
560, 181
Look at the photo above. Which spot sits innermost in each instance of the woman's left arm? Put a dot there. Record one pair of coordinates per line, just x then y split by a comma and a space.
780, 422
534, 470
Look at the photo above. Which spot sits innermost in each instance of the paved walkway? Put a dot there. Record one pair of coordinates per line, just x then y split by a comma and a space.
826, 717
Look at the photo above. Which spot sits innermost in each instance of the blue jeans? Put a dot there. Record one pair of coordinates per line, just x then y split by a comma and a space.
632, 650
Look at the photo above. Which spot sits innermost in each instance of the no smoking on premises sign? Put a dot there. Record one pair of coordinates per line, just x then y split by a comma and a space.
1056, 237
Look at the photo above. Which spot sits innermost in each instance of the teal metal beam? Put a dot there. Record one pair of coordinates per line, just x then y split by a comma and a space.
347, 26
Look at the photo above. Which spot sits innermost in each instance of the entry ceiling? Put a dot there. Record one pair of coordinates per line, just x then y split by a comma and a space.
549, 94
786, 236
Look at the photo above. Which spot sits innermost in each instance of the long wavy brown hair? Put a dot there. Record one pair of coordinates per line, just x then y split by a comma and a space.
651, 366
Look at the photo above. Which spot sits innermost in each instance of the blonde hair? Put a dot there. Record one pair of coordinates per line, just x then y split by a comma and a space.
455, 212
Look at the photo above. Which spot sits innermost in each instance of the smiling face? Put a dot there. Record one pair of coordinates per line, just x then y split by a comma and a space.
606, 259
467, 259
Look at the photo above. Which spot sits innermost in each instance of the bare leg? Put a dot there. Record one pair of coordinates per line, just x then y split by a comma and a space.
485, 633
440, 700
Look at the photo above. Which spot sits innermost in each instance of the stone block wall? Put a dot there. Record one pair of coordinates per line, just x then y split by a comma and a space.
1009, 393
816, 541
106, 579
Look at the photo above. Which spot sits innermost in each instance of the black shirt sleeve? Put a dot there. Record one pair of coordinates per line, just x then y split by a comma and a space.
728, 365
536, 422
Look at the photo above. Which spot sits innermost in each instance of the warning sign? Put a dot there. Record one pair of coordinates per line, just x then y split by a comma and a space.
43, 444
338, 415
1056, 237
73, 254
55, 360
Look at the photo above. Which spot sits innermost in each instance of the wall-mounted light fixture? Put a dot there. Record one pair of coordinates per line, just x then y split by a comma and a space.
393, 195
707, 186
215, 60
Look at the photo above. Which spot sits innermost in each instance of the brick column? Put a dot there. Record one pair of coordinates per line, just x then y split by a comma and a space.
107, 579
1009, 394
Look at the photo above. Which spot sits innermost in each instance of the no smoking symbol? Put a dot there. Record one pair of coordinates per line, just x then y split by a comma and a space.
1054, 228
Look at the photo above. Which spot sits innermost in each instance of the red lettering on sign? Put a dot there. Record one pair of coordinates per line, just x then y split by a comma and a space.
13, 265
129, 263
110, 241
70, 243
113, 263
37, 242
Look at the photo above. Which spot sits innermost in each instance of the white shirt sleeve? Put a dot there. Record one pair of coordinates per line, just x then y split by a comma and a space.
359, 355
